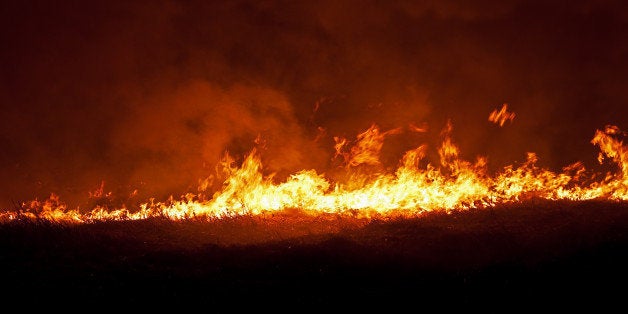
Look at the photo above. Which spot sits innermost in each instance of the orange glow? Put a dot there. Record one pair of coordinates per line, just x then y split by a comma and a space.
414, 187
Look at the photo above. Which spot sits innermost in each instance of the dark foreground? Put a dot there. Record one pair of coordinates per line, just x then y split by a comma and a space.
531, 257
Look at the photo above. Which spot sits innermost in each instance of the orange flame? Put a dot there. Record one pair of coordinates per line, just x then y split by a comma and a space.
414, 187
500, 117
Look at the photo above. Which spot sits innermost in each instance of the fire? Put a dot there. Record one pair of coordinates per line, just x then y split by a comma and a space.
414, 187
500, 117
367, 149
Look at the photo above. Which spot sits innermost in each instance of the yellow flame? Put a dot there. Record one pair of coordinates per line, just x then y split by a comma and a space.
415, 186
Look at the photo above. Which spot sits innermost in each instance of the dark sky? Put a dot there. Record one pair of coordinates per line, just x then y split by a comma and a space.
149, 95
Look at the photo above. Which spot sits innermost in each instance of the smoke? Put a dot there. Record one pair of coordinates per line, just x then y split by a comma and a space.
172, 139
149, 95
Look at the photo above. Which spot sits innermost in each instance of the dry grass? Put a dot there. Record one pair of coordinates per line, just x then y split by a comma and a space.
565, 253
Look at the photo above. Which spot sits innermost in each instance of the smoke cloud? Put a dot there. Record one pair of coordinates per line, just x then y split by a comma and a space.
149, 95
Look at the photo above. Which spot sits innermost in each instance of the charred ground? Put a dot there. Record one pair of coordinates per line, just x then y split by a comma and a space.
524, 256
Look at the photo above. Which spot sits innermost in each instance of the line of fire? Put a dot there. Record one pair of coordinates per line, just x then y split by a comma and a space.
413, 188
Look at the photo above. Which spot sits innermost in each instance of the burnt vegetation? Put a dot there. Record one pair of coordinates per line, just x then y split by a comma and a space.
519, 256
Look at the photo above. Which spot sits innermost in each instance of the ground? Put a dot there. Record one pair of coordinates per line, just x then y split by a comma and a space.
529, 256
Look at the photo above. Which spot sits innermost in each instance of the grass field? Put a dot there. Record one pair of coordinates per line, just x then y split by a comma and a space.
529, 256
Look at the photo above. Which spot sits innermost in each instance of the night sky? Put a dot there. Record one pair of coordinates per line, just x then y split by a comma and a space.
149, 95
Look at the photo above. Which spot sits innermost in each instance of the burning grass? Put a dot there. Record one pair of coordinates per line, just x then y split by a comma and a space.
452, 235
366, 190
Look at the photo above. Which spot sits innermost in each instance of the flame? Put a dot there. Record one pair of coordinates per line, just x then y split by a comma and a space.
500, 117
418, 129
367, 148
414, 187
